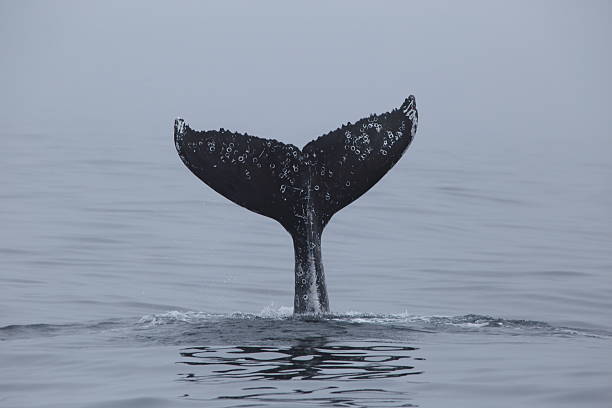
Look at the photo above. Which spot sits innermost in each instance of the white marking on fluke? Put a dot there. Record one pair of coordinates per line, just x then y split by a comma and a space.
179, 125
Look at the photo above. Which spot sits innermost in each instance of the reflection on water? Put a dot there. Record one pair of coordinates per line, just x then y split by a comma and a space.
298, 373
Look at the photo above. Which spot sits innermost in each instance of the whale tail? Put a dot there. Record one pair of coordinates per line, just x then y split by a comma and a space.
300, 188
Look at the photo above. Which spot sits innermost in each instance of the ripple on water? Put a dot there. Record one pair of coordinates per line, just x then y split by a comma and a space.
329, 373
279, 324
275, 359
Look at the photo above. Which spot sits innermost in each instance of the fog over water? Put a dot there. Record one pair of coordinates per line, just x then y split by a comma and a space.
477, 272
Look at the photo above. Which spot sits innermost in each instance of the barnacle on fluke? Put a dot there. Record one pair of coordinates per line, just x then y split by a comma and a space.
301, 189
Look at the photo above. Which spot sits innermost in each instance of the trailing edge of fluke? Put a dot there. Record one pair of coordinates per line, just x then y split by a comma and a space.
300, 188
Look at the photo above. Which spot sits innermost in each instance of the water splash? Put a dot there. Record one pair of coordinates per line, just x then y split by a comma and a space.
434, 323
175, 316
277, 323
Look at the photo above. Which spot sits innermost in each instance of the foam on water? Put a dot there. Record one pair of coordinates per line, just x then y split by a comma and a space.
174, 316
435, 323
277, 323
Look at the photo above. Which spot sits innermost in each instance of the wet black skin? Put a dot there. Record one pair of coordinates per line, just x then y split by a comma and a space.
300, 188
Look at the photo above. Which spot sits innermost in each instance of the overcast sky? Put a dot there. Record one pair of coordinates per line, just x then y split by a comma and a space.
534, 71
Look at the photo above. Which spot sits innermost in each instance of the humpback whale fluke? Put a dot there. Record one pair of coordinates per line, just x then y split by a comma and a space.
301, 189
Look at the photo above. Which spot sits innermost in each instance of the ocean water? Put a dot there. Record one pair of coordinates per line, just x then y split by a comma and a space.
467, 277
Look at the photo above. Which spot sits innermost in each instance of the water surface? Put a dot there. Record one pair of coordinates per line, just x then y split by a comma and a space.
448, 282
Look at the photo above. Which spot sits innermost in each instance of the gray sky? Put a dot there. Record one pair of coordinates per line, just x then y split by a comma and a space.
528, 71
